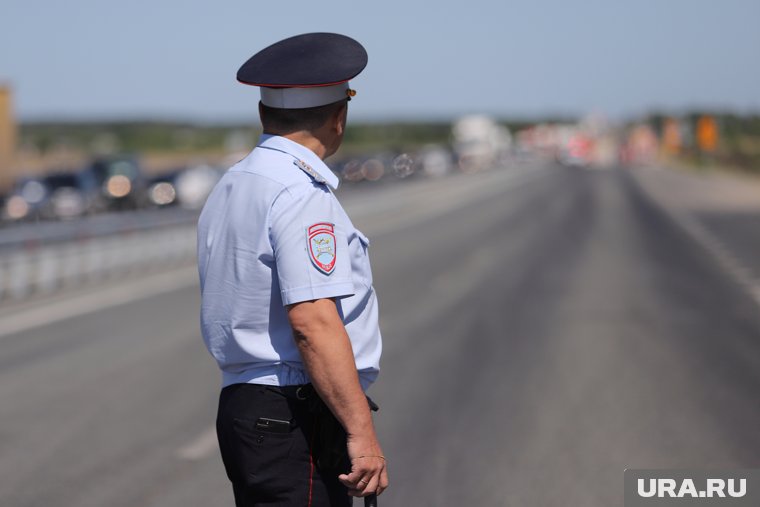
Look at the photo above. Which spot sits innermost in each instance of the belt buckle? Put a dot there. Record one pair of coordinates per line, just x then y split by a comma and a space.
300, 395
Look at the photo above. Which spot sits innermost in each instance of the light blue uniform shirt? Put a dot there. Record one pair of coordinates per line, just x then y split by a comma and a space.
272, 234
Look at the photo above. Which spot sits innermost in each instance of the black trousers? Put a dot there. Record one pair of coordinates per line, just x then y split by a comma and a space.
275, 465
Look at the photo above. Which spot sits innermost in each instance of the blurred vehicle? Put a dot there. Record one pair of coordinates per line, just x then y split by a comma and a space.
162, 189
25, 201
435, 161
70, 195
576, 151
480, 143
374, 167
121, 181
641, 146
194, 184
347, 168
59, 195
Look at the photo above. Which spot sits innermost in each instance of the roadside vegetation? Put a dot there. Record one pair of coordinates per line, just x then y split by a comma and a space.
162, 144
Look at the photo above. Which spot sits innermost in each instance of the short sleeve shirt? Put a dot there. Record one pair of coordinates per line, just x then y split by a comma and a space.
273, 234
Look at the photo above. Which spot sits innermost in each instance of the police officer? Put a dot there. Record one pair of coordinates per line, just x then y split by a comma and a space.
288, 308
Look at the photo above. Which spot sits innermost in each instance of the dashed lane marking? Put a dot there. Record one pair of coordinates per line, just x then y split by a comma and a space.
717, 249
740, 273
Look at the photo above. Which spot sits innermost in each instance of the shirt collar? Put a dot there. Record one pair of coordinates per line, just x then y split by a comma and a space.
300, 153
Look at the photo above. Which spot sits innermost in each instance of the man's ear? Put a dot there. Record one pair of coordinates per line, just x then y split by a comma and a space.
261, 113
339, 118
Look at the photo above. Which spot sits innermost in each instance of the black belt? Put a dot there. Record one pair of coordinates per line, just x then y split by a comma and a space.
299, 392
304, 392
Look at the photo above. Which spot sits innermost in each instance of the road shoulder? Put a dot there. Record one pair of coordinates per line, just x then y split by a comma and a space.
720, 211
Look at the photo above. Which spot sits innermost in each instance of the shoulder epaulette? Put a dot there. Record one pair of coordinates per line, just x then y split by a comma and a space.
308, 170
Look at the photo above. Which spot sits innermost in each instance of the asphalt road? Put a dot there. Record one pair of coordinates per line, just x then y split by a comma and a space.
545, 328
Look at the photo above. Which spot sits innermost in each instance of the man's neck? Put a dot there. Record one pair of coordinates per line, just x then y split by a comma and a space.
308, 140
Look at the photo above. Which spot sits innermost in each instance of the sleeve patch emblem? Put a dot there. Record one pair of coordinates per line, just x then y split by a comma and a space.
320, 239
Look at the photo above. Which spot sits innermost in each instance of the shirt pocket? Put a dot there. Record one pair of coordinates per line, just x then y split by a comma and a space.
360, 267
363, 239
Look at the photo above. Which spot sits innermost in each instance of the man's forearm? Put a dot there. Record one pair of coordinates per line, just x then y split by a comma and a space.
329, 360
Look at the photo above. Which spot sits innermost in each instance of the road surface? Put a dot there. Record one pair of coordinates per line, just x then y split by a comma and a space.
545, 328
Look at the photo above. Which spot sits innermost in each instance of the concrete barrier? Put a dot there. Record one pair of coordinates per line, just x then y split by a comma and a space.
37, 268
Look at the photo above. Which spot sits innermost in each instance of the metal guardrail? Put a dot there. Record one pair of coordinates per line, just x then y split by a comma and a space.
37, 262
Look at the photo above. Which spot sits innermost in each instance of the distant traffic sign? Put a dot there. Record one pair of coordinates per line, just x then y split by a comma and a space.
707, 133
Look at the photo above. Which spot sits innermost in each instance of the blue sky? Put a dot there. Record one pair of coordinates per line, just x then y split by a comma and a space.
178, 59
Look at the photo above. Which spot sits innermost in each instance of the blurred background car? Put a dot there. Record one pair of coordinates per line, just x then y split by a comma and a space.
121, 181
161, 190
57, 195
69, 195
26, 199
480, 142
194, 184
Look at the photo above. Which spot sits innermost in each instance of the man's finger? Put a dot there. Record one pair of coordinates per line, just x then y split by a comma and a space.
359, 471
352, 480
370, 487
361, 485
383, 482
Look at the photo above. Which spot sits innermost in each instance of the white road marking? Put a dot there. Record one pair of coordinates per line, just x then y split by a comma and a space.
736, 270
97, 300
200, 447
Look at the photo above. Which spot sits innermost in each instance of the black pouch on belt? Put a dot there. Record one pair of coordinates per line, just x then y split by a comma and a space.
329, 446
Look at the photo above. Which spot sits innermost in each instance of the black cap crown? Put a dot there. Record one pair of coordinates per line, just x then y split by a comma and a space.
307, 60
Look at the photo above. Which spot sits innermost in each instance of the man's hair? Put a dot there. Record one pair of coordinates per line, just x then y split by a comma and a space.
286, 121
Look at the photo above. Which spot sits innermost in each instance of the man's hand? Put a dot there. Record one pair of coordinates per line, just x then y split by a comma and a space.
368, 468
